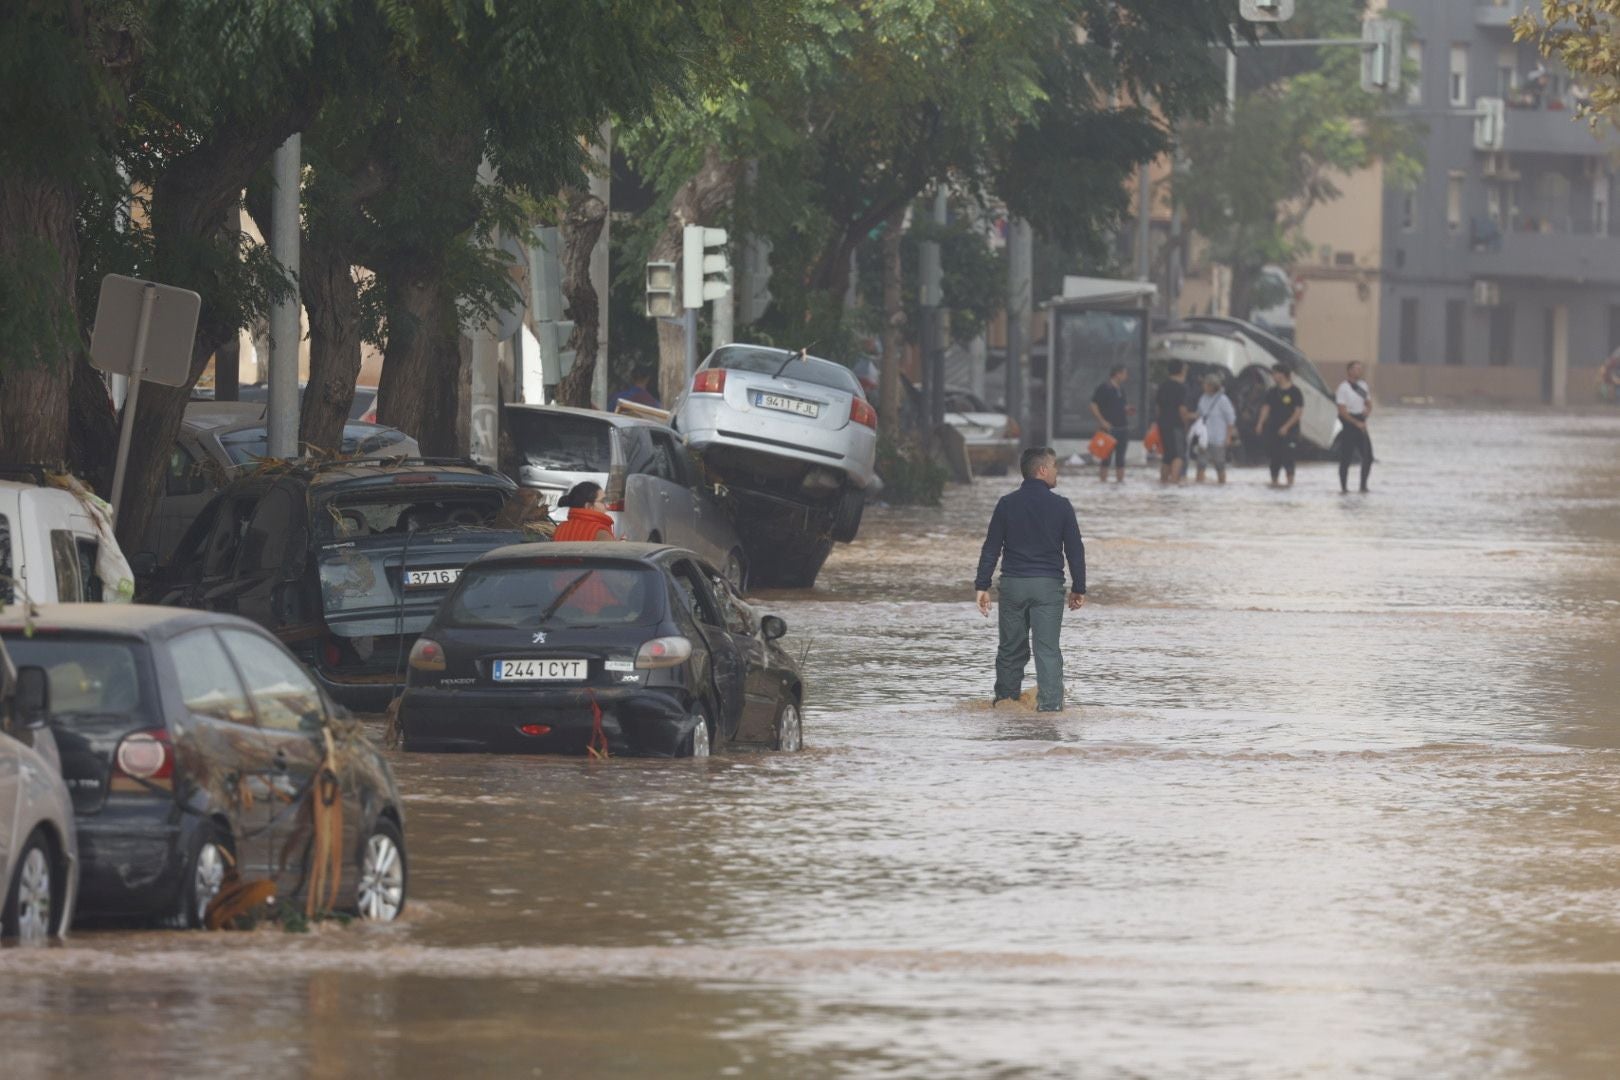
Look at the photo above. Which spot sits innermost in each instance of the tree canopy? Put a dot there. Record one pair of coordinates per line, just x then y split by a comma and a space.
1584, 36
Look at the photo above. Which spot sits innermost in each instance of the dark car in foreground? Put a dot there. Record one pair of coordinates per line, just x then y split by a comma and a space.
541, 646
344, 561
190, 742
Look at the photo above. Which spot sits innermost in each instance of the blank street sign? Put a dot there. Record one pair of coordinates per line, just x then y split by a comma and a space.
168, 339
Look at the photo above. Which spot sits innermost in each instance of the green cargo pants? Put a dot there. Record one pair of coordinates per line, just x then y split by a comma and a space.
1031, 607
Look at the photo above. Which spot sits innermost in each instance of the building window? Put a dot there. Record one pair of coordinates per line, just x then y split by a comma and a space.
1414, 62
1600, 205
1409, 331
1408, 211
1507, 71
1454, 201
1454, 331
1501, 335
1458, 75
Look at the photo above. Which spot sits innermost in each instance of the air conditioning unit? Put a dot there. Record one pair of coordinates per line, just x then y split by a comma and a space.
1487, 294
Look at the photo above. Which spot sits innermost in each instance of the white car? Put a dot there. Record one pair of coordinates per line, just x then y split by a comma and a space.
1243, 354
51, 550
992, 438
794, 440
39, 851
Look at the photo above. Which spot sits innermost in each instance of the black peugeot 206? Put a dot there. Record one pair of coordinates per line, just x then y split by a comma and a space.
551, 648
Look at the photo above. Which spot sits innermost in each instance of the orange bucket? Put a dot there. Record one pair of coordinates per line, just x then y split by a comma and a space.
1153, 442
1102, 445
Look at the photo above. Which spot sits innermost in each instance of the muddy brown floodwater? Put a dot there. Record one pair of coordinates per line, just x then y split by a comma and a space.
1337, 795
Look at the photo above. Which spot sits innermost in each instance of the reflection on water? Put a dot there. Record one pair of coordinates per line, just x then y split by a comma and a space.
1336, 793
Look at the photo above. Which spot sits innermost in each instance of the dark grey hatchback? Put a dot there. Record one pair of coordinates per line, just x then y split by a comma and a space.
192, 742
632, 648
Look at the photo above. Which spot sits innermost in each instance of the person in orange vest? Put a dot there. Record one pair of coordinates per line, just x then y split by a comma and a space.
587, 514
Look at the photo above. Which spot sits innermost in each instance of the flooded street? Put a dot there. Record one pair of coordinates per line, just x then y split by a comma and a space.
1338, 793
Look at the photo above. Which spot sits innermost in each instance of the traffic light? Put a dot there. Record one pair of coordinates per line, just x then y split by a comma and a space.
661, 290
1381, 56
705, 270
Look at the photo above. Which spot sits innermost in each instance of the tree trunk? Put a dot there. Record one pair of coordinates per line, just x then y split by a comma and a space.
894, 321
92, 428
332, 299
39, 245
697, 202
413, 363
581, 228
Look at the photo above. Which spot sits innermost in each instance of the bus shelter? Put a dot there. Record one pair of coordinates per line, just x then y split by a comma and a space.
1095, 324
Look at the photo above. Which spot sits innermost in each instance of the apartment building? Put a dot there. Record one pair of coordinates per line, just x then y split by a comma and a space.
1499, 275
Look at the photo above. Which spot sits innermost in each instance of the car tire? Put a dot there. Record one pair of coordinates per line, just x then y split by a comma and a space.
34, 895
384, 874
209, 857
736, 571
700, 742
789, 727
847, 519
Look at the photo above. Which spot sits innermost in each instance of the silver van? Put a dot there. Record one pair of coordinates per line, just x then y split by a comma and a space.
39, 851
655, 491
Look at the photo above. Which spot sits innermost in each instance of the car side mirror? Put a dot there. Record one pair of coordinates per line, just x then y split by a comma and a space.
33, 698
772, 627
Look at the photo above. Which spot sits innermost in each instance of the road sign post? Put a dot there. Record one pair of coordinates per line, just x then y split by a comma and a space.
145, 331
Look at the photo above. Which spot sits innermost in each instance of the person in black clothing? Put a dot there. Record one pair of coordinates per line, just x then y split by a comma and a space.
1113, 415
1355, 406
1170, 409
1280, 414
1031, 532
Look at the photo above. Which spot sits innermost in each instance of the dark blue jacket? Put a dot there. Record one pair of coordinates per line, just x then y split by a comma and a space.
1030, 532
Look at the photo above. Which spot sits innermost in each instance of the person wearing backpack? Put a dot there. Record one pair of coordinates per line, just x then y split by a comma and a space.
1212, 432
1355, 403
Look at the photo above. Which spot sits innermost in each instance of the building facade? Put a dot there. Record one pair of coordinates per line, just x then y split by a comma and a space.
1500, 274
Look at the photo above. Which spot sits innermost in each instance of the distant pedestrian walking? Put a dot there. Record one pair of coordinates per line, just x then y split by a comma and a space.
1113, 415
1032, 531
1280, 415
1214, 428
1355, 405
1171, 412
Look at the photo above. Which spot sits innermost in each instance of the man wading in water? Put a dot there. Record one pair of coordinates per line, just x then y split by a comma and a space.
1031, 532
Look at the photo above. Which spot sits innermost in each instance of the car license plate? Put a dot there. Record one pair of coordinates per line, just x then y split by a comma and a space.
788, 404
428, 579
539, 670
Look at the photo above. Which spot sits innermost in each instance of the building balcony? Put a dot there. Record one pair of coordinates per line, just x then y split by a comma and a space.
1497, 14
1584, 258
1551, 131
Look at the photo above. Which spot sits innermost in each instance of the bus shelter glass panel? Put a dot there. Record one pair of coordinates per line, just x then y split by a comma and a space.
1089, 344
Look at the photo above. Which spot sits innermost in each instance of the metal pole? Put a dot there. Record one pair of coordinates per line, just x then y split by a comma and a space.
936, 401
1144, 223
689, 329
137, 371
281, 419
722, 318
483, 429
602, 188
1231, 83
1020, 272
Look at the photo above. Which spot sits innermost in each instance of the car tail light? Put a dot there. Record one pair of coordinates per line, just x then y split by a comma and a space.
1013, 430
615, 506
664, 652
711, 381
332, 653
146, 755
535, 729
426, 655
862, 413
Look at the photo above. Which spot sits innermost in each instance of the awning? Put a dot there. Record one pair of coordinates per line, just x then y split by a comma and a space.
1103, 292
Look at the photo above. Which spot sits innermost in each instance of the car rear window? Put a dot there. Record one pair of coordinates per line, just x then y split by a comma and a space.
560, 441
397, 511
770, 362
359, 438
547, 594
94, 683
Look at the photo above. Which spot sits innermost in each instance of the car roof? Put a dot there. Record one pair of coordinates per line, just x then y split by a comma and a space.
616, 419
207, 415
585, 549
124, 620
339, 472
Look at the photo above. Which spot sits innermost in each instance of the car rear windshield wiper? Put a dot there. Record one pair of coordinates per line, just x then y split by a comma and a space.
562, 598
800, 355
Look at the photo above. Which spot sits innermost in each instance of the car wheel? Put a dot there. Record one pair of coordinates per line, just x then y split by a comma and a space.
700, 743
30, 913
789, 726
735, 572
380, 895
847, 521
211, 857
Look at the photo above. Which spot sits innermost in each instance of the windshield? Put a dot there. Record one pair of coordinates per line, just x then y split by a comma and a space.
560, 441
88, 678
561, 594
249, 444
396, 511
770, 361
